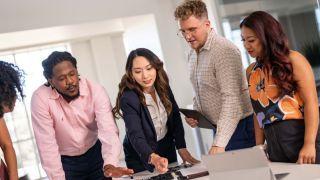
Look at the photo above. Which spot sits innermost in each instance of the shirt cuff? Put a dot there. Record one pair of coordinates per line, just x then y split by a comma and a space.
220, 141
59, 176
112, 161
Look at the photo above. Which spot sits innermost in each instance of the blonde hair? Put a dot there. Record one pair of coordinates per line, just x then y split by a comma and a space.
188, 8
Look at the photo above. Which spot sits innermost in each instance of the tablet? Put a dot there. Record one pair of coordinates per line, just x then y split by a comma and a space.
203, 121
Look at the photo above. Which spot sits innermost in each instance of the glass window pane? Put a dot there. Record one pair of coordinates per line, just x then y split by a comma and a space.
10, 126
8, 58
29, 159
298, 18
19, 121
17, 150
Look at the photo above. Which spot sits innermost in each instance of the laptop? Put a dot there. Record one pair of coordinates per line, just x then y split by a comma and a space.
249, 164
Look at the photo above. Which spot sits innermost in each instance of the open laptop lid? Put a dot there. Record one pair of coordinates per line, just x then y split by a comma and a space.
236, 160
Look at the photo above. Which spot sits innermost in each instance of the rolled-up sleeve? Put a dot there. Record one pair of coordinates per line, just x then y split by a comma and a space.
108, 132
45, 137
229, 76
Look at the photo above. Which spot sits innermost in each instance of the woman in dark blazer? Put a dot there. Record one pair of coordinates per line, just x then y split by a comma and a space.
153, 124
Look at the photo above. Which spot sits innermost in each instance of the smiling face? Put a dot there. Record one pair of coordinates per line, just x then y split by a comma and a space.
144, 73
195, 31
65, 79
251, 42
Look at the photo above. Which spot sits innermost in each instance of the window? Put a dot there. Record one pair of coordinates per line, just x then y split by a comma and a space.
299, 19
234, 35
19, 121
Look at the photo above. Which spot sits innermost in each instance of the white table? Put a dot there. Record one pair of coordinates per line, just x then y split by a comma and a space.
296, 171
146, 174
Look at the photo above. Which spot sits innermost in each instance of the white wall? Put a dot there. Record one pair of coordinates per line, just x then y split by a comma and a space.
141, 31
16, 15
94, 30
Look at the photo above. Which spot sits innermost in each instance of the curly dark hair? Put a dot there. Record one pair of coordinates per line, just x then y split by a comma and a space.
161, 83
11, 83
275, 49
55, 58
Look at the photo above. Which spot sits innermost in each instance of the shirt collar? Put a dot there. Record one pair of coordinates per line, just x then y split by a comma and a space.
149, 99
82, 88
208, 43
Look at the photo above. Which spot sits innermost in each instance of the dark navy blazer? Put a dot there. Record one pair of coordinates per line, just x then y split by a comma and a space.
140, 131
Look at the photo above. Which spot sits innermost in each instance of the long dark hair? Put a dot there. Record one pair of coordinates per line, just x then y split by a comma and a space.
11, 84
161, 83
275, 49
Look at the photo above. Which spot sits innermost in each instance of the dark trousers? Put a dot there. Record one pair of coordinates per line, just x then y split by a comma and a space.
243, 136
86, 166
285, 140
165, 148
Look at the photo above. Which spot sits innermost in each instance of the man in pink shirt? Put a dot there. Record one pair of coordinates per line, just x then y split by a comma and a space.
73, 124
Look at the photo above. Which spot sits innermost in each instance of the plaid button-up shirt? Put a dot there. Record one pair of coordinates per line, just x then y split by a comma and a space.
220, 85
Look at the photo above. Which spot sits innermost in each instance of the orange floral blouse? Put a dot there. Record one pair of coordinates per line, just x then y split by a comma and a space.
266, 103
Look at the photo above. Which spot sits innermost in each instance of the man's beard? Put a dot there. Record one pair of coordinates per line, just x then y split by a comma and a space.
67, 97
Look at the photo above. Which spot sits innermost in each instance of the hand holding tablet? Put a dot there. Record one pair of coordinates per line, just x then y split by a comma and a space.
203, 122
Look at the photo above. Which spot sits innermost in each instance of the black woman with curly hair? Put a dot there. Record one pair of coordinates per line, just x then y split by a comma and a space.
10, 88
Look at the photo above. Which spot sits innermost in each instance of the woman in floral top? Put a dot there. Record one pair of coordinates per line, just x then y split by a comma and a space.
283, 92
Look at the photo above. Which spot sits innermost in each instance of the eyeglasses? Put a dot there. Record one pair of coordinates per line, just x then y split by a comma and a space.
191, 31
183, 33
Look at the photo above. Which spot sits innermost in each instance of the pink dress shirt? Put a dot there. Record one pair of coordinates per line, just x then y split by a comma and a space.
71, 129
